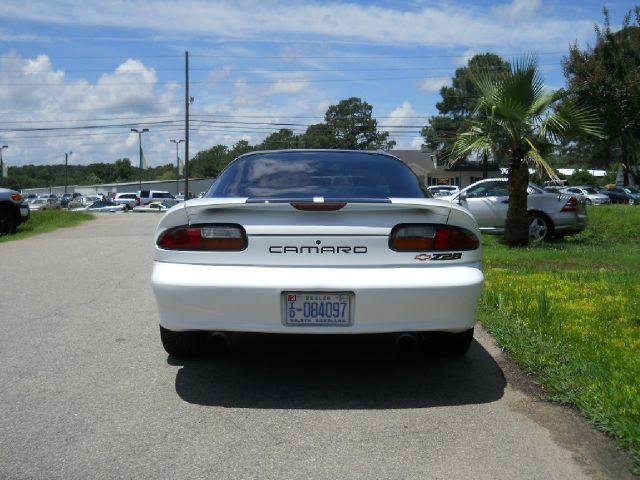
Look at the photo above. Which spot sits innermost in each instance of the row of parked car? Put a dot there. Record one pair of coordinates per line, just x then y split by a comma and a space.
120, 201
592, 194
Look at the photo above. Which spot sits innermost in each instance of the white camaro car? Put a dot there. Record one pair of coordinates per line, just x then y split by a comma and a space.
317, 242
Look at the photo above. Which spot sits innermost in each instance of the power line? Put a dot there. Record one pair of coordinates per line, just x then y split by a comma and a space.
90, 119
288, 56
229, 82
268, 70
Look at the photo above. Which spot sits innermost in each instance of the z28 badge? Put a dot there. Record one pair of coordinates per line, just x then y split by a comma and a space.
423, 257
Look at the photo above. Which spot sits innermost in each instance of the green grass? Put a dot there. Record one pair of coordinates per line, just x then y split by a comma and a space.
569, 312
47, 221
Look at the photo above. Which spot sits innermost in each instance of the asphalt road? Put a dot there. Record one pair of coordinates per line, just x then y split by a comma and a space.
87, 391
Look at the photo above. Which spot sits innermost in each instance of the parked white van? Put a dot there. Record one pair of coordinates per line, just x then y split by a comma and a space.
147, 196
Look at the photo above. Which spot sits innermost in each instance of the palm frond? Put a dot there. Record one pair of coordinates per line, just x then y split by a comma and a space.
474, 140
544, 101
571, 120
511, 109
524, 83
534, 154
488, 82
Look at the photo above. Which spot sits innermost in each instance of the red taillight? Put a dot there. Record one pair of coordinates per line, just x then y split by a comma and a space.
319, 207
571, 205
16, 197
228, 237
427, 237
137, 200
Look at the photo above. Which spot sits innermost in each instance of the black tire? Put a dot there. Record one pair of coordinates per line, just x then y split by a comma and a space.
451, 344
7, 222
588, 201
540, 227
182, 344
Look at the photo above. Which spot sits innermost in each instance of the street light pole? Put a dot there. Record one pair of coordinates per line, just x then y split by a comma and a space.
1, 161
140, 132
177, 142
66, 164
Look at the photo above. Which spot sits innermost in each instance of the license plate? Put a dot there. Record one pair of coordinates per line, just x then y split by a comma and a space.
334, 309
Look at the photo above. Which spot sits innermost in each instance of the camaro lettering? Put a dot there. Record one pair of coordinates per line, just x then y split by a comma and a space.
318, 250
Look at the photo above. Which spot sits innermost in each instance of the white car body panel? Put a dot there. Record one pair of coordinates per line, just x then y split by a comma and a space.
203, 297
241, 291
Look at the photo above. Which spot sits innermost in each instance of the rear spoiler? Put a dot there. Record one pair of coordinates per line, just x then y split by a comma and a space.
195, 206
362, 200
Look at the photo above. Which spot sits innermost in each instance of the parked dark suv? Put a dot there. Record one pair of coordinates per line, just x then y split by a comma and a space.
12, 211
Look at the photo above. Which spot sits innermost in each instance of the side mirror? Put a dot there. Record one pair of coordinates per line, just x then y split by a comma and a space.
462, 197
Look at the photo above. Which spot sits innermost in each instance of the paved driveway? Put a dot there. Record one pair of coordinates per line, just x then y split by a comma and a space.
88, 392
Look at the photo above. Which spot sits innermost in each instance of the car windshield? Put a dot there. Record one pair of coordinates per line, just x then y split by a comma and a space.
590, 191
329, 174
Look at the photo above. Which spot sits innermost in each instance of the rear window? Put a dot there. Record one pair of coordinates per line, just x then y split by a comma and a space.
300, 174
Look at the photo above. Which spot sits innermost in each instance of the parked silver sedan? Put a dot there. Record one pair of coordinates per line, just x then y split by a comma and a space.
590, 195
44, 204
550, 214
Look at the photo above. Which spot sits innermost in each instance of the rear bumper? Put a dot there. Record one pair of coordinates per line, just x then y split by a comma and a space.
567, 224
248, 299
24, 212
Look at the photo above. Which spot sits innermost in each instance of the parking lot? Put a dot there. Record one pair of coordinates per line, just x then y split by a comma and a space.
88, 392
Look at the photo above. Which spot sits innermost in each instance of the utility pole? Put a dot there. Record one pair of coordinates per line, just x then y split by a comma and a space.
66, 165
177, 142
1, 162
140, 132
187, 101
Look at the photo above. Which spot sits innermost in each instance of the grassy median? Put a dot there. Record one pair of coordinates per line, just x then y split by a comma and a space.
569, 312
46, 221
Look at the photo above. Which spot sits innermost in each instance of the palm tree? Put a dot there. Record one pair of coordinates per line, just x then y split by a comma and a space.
514, 106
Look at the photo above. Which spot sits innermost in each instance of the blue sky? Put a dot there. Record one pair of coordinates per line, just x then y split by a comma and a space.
70, 63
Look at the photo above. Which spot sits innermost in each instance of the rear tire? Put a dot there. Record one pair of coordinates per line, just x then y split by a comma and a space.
540, 227
451, 344
182, 344
7, 222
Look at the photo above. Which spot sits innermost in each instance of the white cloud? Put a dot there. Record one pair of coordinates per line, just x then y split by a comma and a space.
467, 55
35, 94
403, 116
218, 74
519, 10
417, 142
449, 24
434, 84
282, 86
